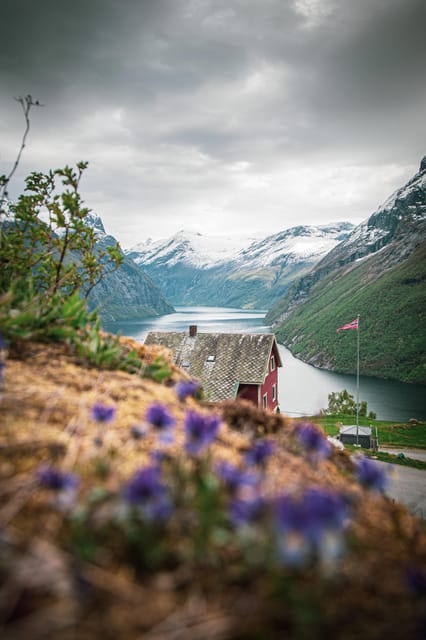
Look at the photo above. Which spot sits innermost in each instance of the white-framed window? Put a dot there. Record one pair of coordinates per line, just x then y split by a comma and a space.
274, 392
272, 363
265, 400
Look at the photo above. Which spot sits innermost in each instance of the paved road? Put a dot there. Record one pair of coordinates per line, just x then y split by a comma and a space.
408, 486
414, 454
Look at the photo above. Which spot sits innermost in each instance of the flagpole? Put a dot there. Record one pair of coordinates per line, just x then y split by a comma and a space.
357, 384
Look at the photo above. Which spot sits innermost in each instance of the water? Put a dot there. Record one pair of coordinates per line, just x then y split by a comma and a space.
303, 389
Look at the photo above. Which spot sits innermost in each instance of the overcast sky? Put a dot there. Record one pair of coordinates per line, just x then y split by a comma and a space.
218, 116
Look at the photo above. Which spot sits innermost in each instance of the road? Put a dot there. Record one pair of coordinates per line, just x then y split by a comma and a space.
408, 486
414, 454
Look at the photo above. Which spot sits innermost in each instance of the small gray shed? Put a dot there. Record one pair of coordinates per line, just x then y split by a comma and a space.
347, 435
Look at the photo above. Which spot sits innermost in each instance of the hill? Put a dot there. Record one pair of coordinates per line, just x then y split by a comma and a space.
379, 272
110, 530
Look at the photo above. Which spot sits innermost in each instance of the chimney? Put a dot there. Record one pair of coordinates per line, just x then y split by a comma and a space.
192, 330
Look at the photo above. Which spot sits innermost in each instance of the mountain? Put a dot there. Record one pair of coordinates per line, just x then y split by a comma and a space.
127, 293
193, 269
379, 272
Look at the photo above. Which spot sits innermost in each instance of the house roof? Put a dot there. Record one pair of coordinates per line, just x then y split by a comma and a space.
220, 361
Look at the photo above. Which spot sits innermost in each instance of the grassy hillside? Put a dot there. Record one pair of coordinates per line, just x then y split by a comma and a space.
392, 307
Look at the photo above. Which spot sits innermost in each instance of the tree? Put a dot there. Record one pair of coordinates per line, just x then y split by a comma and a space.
49, 261
343, 403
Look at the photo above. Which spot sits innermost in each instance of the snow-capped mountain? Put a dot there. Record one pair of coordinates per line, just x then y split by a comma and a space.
191, 268
190, 248
378, 272
399, 221
95, 222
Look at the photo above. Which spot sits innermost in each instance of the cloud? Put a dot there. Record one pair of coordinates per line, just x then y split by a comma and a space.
218, 114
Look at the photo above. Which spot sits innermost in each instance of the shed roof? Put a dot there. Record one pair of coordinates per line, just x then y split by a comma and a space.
221, 361
351, 430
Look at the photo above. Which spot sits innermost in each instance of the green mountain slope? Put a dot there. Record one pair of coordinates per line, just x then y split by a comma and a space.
379, 272
392, 319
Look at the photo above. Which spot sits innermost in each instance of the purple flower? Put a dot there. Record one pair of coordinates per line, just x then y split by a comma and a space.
3, 343
246, 511
201, 430
103, 413
311, 523
370, 474
187, 388
159, 417
327, 510
147, 491
51, 478
313, 441
234, 478
260, 452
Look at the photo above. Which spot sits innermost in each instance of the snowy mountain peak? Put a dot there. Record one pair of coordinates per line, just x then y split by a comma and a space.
94, 221
189, 247
406, 207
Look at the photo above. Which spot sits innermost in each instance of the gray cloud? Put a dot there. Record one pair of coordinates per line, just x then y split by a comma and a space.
214, 114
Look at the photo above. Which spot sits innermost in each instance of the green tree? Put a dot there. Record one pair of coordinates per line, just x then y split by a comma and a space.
45, 242
343, 403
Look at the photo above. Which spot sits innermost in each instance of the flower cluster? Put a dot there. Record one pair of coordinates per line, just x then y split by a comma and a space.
200, 431
186, 389
313, 441
63, 485
234, 478
52, 478
147, 491
259, 453
160, 418
370, 474
310, 525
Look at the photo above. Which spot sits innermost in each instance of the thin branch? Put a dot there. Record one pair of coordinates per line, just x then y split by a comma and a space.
26, 103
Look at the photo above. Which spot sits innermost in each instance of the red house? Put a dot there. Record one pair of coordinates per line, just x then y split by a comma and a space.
228, 365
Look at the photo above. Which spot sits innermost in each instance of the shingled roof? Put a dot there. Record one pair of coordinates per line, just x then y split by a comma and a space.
220, 361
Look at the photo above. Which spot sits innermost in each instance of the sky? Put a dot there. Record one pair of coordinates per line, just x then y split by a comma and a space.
224, 117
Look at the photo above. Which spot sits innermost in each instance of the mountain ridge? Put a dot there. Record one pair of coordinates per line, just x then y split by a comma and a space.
378, 271
247, 276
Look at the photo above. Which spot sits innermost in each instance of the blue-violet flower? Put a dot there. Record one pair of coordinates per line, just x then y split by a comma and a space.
147, 491
186, 388
313, 441
201, 430
370, 474
260, 451
51, 478
234, 478
103, 413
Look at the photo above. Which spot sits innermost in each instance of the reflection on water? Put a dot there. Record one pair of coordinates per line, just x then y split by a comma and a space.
303, 389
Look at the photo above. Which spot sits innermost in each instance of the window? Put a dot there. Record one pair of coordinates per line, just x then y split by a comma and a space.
274, 392
265, 400
272, 363
211, 358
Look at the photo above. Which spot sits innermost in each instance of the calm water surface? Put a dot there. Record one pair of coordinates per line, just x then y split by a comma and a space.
303, 389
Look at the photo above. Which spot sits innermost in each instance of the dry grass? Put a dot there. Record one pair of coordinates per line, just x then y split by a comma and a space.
46, 593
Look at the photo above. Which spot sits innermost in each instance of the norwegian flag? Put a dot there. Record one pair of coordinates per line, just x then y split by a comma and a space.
351, 325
